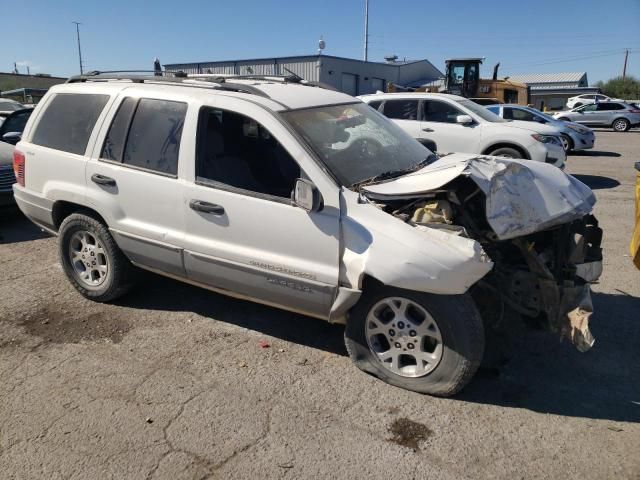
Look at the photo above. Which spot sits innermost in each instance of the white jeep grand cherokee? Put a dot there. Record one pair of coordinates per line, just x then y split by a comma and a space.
292, 195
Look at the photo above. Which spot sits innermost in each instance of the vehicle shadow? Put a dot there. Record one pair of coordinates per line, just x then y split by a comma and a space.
546, 376
15, 227
543, 375
598, 182
161, 293
594, 153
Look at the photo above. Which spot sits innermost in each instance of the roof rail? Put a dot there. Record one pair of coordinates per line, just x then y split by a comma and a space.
224, 77
178, 79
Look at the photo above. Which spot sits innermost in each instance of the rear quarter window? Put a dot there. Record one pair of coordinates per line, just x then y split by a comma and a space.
68, 120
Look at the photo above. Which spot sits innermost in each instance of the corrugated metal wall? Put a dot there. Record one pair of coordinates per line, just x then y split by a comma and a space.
336, 71
307, 69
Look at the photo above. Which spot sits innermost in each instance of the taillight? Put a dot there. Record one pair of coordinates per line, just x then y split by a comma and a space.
18, 166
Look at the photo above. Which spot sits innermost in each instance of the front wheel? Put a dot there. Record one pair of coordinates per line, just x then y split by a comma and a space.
567, 143
506, 152
621, 125
418, 341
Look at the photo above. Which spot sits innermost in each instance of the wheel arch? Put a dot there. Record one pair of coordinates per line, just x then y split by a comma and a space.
63, 208
515, 146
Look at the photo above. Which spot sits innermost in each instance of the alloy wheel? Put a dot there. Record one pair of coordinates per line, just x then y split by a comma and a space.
88, 259
404, 337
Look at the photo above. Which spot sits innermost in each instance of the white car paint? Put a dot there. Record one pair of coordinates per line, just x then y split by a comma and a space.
483, 135
588, 98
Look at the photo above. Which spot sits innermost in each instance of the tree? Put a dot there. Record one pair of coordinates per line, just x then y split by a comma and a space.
627, 89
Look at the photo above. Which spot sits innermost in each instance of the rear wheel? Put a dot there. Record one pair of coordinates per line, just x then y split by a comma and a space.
567, 143
417, 341
621, 125
506, 152
91, 259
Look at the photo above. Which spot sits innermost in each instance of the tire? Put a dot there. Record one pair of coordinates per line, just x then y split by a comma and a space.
456, 356
506, 152
108, 274
621, 125
567, 143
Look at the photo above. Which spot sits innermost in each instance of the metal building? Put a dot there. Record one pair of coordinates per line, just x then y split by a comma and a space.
550, 91
355, 77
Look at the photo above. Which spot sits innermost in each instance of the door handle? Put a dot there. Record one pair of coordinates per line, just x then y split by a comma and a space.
102, 180
427, 129
206, 207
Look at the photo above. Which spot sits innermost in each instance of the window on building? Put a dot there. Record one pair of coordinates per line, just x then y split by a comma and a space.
401, 109
437, 111
236, 151
68, 120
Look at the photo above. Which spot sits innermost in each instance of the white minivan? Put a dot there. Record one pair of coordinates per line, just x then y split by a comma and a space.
449, 123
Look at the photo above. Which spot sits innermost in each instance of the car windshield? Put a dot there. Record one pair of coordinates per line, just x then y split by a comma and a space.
481, 111
541, 114
357, 143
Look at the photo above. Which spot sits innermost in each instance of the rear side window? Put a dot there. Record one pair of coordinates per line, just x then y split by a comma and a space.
146, 134
401, 109
610, 106
68, 120
375, 104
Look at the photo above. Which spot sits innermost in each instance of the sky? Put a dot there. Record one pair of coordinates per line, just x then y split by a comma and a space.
542, 36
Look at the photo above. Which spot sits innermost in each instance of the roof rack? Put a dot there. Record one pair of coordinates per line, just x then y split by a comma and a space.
178, 78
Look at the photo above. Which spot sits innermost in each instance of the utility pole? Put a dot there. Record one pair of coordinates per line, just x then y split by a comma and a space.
624, 68
366, 30
79, 50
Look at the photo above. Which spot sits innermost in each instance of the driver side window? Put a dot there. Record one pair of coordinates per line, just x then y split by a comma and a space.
237, 151
437, 111
589, 108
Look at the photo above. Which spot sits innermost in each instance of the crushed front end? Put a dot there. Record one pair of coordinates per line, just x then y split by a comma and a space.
535, 224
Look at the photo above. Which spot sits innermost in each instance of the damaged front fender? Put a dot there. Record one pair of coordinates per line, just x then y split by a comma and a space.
404, 256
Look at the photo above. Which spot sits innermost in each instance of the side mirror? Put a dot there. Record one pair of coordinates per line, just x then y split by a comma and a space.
12, 137
307, 196
464, 119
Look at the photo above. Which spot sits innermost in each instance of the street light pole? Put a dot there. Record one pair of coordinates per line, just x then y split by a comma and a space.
79, 50
366, 30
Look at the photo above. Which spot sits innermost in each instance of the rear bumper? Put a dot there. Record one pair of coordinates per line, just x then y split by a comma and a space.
36, 208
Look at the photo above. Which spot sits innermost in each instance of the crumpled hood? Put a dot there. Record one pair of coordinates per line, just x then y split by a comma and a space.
522, 196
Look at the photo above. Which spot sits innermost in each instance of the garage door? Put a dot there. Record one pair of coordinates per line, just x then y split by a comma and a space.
377, 84
350, 84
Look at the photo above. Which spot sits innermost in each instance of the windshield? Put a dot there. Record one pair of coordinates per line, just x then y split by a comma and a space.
356, 142
481, 111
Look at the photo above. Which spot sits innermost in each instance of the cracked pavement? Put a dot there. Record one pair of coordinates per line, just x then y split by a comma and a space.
171, 382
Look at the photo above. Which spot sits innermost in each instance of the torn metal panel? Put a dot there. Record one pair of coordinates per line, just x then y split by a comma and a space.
576, 309
522, 196
405, 256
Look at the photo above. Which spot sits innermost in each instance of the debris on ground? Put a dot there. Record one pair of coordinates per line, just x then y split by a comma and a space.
148, 420
281, 350
264, 344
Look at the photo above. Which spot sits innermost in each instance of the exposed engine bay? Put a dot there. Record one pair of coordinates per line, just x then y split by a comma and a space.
544, 275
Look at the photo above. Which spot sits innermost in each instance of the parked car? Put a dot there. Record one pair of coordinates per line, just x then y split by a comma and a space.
617, 115
13, 126
573, 135
252, 189
7, 178
449, 123
587, 99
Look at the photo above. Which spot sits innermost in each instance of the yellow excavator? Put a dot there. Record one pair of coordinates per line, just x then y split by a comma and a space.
463, 78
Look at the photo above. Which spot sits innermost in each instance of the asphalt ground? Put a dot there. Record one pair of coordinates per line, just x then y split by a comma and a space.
177, 382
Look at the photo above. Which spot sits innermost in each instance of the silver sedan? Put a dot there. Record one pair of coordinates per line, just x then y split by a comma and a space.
573, 135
